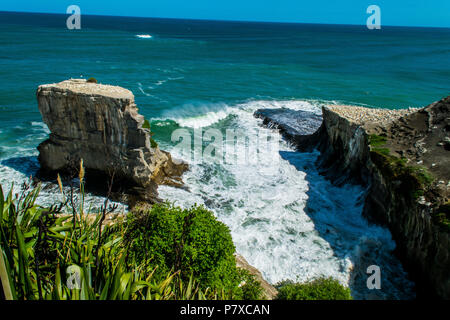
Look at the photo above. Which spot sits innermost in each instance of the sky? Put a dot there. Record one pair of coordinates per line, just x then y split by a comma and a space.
424, 13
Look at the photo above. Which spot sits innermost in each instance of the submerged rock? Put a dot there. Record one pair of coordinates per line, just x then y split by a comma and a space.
101, 125
296, 126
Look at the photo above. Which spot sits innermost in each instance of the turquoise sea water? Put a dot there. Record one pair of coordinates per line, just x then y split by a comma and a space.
205, 74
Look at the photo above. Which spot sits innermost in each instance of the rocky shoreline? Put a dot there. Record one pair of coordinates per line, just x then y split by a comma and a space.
402, 157
100, 124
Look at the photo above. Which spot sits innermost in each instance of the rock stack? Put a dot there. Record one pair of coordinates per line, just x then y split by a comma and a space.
101, 125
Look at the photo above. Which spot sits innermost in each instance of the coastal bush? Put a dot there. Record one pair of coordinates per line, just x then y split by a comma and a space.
250, 286
162, 253
146, 124
319, 289
38, 247
190, 240
153, 143
91, 80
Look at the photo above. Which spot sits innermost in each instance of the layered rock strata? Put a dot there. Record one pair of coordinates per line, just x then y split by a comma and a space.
100, 124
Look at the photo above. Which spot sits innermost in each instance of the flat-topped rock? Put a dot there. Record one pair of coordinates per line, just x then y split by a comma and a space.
101, 125
81, 86
368, 117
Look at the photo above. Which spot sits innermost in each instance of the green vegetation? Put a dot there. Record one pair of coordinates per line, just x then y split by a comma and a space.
414, 179
62, 252
442, 216
193, 241
91, 80
153, 143
40, 246
319, 289
146, 125
383, 151
377, 141
421, 173
251, 288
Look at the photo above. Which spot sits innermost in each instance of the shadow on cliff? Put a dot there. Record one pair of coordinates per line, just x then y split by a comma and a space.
336, 212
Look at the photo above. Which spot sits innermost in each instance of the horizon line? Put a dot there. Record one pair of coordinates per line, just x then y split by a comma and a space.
222, 20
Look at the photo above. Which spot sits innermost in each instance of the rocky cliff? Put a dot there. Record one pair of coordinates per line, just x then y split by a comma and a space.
101, 125
402, 157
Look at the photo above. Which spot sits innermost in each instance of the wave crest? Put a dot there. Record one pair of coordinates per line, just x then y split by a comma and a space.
200, 115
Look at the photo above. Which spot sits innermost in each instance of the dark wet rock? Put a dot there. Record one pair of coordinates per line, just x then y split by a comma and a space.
296, 126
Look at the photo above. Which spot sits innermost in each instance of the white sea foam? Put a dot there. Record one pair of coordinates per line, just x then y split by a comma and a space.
144, 36
16, 170
200, 115
291, 224
202, 121
41, 126
176, 78
160, 82
141, 89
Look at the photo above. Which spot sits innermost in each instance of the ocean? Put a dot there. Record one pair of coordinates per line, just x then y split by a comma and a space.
291, 224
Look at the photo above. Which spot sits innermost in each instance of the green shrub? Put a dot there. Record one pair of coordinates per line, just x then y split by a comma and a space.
153, 143
146, 124
319, 289
251, 288
191, 241
38, 245
91, 80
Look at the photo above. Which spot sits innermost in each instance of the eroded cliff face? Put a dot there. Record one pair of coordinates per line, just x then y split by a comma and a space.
397, 197
101, 125
392, 200
343, 147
